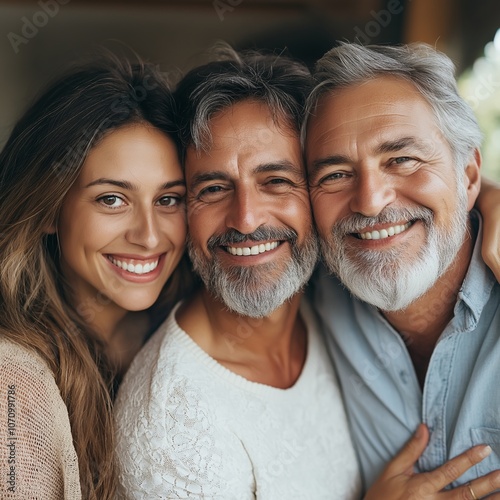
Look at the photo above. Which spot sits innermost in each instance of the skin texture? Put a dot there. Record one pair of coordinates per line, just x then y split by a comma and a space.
128, 203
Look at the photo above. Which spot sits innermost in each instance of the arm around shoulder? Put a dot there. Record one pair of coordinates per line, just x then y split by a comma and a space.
488, 203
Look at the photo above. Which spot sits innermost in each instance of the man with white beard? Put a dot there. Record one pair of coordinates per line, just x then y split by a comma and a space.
393, 161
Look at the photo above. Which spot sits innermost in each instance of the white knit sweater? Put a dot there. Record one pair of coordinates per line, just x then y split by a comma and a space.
187, 427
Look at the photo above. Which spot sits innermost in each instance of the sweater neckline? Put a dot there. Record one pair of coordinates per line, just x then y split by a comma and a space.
187, 343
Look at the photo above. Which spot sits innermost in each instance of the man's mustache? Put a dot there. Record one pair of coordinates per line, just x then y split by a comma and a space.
262, 233
389, 215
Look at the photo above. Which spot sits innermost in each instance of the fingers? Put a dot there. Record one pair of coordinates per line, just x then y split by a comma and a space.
403, 462
479, 487
454, 468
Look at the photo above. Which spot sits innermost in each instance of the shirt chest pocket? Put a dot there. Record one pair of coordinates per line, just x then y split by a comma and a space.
486, 435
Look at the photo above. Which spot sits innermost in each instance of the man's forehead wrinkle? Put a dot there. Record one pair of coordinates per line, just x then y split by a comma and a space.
343, 121
395, 117
379, 134
237, 168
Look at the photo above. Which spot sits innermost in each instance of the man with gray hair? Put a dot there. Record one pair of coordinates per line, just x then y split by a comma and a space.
393, 160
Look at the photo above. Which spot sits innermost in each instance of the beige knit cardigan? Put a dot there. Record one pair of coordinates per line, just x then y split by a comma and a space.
37, 456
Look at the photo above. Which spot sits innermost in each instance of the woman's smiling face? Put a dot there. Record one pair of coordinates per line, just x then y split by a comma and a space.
122, 226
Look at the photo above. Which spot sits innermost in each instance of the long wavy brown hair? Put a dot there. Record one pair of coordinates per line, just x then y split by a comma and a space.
38, 165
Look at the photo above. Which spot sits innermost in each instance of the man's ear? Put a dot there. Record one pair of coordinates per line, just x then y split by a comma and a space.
472, 178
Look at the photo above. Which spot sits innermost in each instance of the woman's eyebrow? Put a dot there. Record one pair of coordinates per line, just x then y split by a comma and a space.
132, 187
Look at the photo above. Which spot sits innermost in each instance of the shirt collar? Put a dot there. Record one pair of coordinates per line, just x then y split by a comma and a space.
478, 283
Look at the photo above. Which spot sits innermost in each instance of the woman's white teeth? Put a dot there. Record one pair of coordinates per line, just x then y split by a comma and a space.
134, 268
255, 250
384, 233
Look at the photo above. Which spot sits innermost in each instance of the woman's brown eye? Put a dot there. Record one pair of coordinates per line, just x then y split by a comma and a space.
169, 201
111, 201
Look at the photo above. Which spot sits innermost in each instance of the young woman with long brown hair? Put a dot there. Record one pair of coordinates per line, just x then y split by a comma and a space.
92, 225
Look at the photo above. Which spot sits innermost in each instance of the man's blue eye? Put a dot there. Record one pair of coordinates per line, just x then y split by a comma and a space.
402, 159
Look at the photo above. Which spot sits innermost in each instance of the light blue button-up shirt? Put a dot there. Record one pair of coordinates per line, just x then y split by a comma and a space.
460, 401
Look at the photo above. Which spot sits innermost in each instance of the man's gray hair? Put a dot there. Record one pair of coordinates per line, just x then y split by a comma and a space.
430, 71
279, 82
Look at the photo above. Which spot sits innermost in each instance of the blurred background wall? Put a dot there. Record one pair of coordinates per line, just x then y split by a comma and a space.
39, 37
